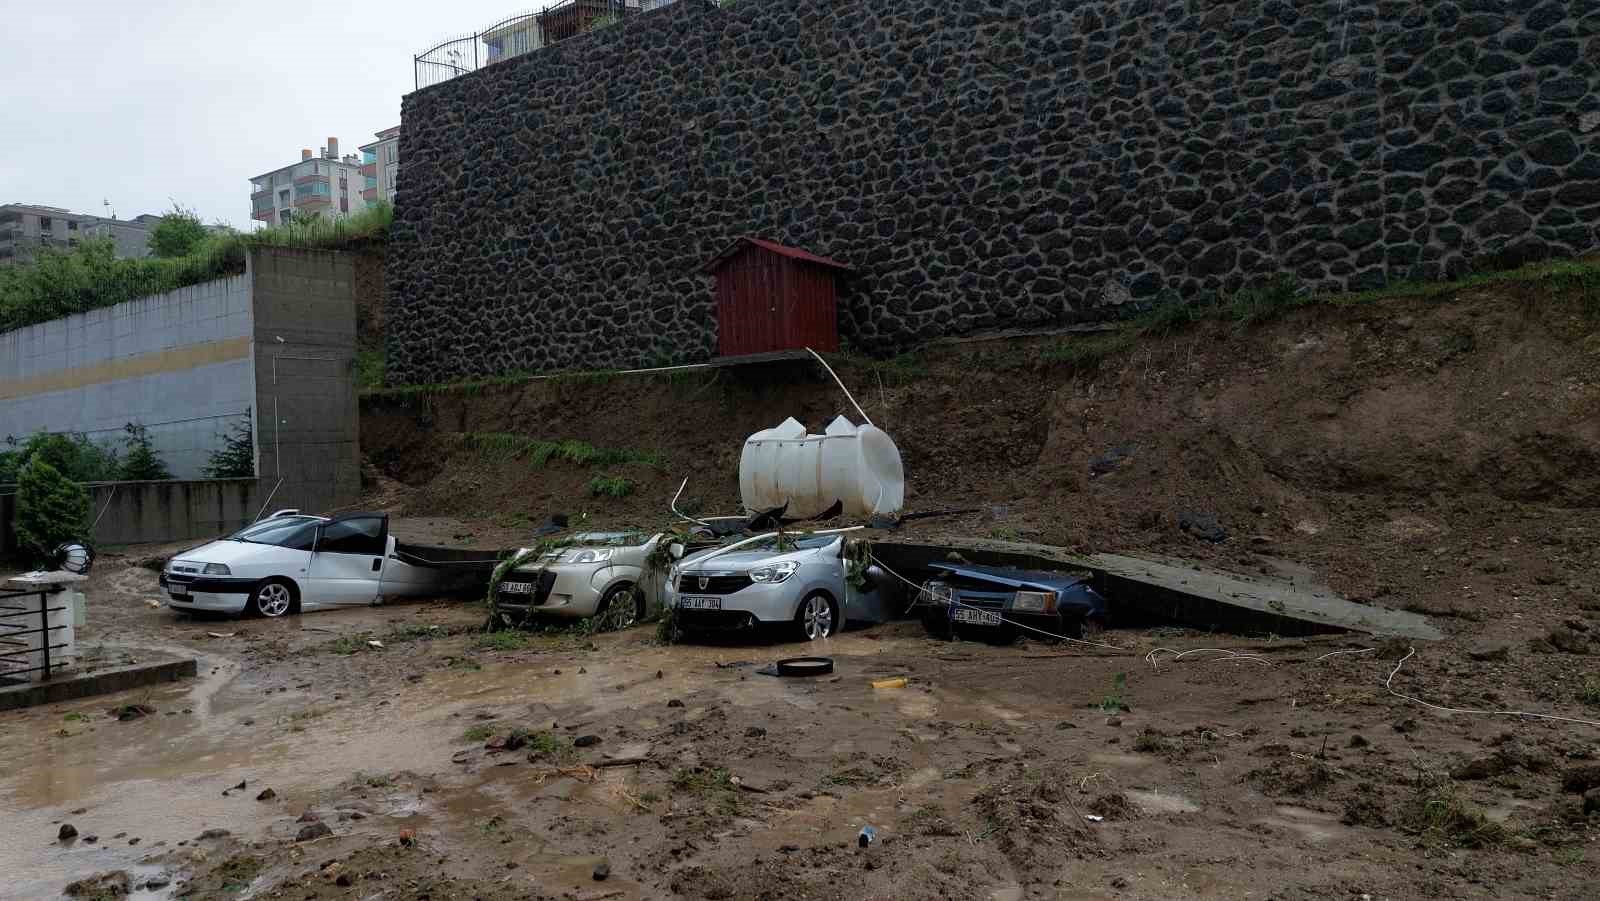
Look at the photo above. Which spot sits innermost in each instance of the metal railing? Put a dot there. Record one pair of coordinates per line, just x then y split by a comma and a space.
17, 613
520, 34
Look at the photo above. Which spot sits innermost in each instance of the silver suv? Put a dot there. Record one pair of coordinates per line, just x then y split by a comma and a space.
797, 580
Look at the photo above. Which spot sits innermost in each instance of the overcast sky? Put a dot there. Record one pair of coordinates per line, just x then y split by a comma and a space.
147, 103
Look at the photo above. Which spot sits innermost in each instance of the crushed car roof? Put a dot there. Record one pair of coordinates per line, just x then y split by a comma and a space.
1014, 578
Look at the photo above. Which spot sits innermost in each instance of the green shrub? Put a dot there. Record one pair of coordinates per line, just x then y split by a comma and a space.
73, 455
142, 464
178, 234
51, 509
236, 458
611, 486
58, 283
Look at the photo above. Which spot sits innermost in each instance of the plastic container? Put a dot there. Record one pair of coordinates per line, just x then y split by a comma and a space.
62, 632
856, 466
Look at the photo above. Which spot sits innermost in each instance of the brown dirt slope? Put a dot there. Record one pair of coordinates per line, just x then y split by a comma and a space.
1380, 443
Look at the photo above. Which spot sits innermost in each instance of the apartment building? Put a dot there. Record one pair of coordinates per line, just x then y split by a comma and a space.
380, 166
25, 227
327, 185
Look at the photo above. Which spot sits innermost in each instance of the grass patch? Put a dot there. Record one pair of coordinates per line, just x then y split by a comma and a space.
419, 632
548, 745
346, 645
538, 452
503, 640
1086, 354
373, 780
75, 717
1588, 694
1113, 701
850, 776
237, 873
478, 734
370, 365
1439, 814
715, 786
611, 486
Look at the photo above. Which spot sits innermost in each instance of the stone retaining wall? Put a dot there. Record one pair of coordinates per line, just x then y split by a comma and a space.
982, 163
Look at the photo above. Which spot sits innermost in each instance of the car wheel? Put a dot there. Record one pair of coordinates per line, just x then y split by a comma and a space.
272, 598
816, 618
623, 593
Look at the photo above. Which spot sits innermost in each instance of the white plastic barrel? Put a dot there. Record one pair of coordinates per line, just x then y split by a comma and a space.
858, 466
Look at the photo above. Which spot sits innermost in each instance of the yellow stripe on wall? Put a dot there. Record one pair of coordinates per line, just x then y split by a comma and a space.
176, 360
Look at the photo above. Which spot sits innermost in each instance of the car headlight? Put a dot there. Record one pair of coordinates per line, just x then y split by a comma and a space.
938, 593
217, 569
1034, 602
777, 572
590, 555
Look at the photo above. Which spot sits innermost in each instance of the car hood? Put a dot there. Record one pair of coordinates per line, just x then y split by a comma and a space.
740, 561
225, 552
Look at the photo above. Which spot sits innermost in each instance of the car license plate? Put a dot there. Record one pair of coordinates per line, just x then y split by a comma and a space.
976, 617
692, 602
516, 588
181, 594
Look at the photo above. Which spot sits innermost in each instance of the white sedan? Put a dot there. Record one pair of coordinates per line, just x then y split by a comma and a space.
291, 562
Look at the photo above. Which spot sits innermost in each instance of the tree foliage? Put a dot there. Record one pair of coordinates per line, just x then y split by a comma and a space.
143, 463
236, 458
71, 454
58, 283
178, 234
51, 509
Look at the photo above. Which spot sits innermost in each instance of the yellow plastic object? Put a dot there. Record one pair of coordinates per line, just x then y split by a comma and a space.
896, 682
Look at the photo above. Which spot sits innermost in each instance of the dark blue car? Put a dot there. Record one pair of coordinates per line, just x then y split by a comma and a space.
997, 602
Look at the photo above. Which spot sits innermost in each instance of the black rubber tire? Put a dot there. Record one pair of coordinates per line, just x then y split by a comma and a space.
805, 666
265, 599
800, 626
611, 595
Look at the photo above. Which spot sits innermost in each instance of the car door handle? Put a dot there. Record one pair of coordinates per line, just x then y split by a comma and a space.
377, 563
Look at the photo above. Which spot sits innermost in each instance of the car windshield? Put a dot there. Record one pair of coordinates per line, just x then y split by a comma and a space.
284, 531
609, 539
786, 543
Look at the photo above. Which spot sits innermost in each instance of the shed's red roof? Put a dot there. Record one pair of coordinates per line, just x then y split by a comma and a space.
793, 253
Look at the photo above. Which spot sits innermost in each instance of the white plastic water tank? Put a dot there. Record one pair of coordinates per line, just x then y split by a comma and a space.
858, 466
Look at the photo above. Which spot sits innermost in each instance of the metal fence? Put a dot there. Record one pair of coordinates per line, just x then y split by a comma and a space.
520, 34
24, 614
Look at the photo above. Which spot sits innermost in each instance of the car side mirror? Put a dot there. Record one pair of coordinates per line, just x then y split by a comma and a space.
676, 550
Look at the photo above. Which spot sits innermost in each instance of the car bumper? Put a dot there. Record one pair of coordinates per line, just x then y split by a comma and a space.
757, 603
209, 595
557, 591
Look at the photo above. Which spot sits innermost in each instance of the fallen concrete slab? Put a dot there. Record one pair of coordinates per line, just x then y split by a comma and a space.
1176, 591
69, 686
1209, 598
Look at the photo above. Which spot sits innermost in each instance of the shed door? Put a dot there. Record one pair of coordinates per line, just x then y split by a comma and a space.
750, 311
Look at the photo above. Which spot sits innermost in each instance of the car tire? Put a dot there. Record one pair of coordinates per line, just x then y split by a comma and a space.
616, 591
817, 617
273, 599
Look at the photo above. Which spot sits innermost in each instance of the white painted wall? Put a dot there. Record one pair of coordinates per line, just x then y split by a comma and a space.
185, 410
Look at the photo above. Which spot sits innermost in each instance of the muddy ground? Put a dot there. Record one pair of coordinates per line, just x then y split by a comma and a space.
1437, 455
1030, 771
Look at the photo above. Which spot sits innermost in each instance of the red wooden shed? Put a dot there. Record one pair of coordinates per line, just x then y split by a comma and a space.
771, 298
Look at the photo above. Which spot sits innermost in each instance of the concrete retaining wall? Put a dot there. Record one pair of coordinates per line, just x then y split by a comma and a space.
177, 363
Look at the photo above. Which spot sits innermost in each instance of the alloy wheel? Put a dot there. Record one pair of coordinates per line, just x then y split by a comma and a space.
273, 599
817, 619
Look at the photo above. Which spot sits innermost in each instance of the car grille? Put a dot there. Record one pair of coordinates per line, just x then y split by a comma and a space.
716, 619
185, 569
715, 583
541, 591
982, 601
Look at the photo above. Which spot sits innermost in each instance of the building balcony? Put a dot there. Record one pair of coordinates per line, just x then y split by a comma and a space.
267, 215
369, 169
369, 194
312, 201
